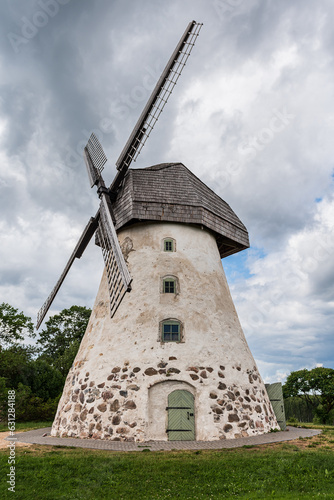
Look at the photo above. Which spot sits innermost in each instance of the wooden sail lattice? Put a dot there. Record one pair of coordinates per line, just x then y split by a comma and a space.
76, 254
157, 100
118, 276
95, 159
96, 152
119, 279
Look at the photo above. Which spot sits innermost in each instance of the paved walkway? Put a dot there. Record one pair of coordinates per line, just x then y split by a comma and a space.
36, 437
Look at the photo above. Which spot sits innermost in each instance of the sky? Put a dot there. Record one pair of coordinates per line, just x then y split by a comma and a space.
252, 116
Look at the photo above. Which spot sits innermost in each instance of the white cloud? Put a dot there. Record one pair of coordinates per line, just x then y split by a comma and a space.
286, 305
252, 60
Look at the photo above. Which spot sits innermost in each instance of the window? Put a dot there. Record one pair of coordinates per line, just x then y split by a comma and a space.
169, 245
171, 331
169, 285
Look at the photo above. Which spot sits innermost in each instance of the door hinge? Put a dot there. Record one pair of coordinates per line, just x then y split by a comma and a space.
178, 430
178, 408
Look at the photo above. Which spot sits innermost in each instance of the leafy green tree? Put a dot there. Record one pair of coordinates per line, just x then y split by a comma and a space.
28, 406
14, 355
14, 325
37, 382
14, 364
3, 399
61, 337
17, 366
64, 362
45, 381
315, 386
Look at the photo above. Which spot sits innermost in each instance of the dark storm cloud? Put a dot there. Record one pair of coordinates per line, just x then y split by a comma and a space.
52, 66
90, 65
75, 74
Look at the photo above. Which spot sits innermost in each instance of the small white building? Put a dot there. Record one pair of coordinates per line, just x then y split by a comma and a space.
173, 362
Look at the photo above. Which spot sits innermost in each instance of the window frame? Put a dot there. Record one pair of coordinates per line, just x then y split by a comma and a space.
172, 322
170, 277
167, 288
171, 241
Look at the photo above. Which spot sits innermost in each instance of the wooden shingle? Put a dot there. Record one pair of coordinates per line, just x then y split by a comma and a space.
170, 192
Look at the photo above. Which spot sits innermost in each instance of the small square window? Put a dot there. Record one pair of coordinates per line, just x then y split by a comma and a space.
170, 331
168, 245
169, 286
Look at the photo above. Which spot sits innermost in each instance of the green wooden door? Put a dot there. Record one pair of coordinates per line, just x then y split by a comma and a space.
275, 394
181, 416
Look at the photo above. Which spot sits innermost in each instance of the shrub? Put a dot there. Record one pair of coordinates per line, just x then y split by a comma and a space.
31, 407
28, 406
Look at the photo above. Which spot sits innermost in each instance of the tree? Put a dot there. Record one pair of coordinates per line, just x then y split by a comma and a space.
37, 382
3, 399
61, 337
30, 407
13, 325
45, 381
14, 364
315, 386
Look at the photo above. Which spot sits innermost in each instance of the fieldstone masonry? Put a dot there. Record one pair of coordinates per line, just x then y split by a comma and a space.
108, 410
119, 383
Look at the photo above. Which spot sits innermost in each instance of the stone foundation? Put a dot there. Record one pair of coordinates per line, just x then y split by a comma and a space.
110, 409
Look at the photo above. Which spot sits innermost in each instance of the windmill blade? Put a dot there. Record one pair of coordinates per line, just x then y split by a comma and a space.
77, 253
119, 279
156, 102
95, 159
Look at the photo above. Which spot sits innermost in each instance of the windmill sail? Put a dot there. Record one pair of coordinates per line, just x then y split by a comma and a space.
95, 159
156, 102
119, 279
76, 254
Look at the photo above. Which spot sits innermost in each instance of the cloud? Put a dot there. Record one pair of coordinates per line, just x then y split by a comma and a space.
252, 116
286, 303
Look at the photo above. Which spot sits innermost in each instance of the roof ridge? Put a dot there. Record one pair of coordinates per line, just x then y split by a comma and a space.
158, 166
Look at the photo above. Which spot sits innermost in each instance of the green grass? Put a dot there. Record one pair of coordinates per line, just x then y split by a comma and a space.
289, 470
25, 426
312, 426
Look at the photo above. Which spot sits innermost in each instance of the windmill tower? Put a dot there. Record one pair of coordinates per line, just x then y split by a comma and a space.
168, 360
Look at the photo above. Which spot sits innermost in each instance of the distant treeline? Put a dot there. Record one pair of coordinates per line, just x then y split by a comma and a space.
298, 408
32, 376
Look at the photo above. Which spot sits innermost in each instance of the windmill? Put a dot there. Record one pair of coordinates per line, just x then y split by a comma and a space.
168, 361
119, 279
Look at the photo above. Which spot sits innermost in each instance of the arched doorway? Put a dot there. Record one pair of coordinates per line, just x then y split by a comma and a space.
181, 416
158, 403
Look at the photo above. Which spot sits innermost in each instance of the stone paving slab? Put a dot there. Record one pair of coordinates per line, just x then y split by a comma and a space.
36, 437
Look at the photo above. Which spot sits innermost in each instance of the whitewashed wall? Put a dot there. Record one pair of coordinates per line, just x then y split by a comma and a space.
110, 391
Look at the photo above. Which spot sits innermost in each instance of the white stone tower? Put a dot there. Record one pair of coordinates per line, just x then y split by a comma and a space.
173, 362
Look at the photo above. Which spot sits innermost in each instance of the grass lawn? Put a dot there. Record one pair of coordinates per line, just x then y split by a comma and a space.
25, 426
300, 469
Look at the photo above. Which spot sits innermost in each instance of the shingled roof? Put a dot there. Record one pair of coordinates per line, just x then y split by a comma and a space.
170, 192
